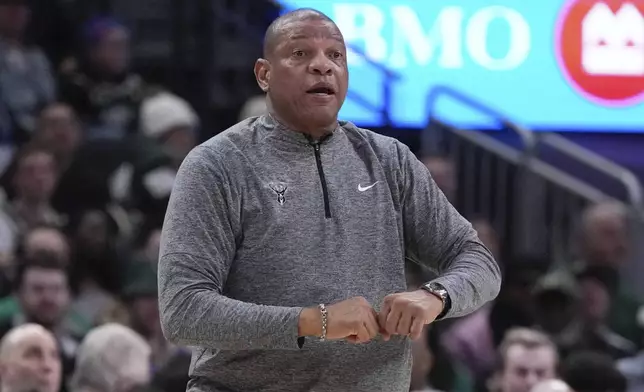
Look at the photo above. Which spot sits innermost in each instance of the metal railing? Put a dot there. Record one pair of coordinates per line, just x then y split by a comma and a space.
534, 205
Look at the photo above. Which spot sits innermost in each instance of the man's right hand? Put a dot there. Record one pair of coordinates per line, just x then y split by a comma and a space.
352, 319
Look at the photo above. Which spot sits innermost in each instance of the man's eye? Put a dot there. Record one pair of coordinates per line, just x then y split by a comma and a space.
298, 53
337, 55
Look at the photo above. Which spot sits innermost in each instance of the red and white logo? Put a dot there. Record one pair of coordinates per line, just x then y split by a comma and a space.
600, 49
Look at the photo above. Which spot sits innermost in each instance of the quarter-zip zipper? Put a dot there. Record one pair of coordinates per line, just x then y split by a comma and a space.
325, 191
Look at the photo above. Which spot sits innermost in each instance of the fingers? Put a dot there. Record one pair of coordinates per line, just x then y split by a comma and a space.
417, 328
391, 325
404, 324
372, 323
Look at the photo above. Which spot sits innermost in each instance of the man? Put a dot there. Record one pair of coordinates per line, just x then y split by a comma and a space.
33, 182
112, 358
605, 241
43, 297
293, 209
101, 88
26, 80
29, 360
59, 131
527, 357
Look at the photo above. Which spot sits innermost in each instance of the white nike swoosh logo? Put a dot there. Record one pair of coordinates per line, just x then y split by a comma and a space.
366, 188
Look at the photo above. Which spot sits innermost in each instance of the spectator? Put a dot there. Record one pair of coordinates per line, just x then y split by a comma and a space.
137, 172
96, 268
60, 132
102, 89
26, 82
111, 358
29, 360
587, 371
473, 340
597, 286
33, 183
43, 296
605, 240
170, 121
526, 358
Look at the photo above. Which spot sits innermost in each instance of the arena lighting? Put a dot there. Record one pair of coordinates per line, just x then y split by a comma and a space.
554, 65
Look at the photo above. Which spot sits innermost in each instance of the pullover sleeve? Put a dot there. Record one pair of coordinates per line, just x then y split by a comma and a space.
437, 236
200, 235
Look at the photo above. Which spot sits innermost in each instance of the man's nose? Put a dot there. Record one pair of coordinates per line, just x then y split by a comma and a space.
321, 65
532, 379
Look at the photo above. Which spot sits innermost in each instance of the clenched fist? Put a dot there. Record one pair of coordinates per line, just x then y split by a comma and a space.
407, 313
352, 319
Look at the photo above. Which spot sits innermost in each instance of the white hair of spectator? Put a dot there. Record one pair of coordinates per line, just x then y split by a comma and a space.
110, 356
255, 106
554, 385
164, 111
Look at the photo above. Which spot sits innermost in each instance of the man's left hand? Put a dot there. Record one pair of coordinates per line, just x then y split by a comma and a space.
407, 313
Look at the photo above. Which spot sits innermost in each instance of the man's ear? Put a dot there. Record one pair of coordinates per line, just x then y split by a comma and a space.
263, 73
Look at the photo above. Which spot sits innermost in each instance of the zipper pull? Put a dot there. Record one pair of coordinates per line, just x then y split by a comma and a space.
316, 146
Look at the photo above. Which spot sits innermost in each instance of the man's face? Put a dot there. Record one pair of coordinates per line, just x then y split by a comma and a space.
607, 241
35, 177
595, 300
13, 19
44, 295
33, 364
145, 314
59, 129
112, 53
306, 76
525, 367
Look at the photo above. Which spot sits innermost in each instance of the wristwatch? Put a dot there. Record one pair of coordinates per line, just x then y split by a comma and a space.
439, 291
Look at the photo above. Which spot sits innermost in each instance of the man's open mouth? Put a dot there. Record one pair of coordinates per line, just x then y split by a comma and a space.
321, 89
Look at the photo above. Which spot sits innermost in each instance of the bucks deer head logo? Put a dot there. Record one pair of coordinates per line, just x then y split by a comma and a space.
280, 190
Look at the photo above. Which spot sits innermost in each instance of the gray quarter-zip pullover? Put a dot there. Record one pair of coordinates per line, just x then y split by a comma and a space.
262, 223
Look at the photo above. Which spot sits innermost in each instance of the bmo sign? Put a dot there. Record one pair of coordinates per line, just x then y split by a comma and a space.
600, 48
450, 36
548, 64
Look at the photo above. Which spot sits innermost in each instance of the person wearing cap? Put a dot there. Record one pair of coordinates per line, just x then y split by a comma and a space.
102, 89
170, 121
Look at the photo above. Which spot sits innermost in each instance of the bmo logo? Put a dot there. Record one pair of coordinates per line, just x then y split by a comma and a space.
600, 49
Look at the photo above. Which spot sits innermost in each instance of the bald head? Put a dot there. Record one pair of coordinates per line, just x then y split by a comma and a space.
280, 26
18, 335
30, 360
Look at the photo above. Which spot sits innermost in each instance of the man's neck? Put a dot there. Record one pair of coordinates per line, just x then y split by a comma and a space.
315, 133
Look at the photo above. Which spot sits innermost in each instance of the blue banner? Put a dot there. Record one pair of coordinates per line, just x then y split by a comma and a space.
550, 65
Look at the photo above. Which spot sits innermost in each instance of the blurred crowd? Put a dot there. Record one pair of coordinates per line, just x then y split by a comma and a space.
89, 151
